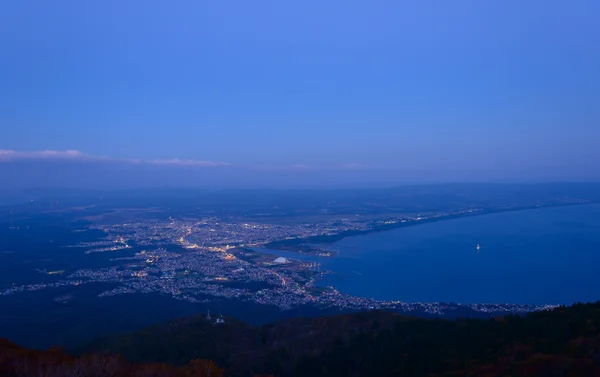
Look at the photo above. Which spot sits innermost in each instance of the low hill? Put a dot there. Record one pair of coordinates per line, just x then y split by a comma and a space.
17, 361
561, 342
274, 348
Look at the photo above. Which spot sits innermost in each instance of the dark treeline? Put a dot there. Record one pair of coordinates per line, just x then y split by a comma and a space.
561, 342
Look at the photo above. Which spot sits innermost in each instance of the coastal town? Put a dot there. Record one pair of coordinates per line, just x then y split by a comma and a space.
204, 260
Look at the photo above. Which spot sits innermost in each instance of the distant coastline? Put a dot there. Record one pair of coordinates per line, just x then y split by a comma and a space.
294, 244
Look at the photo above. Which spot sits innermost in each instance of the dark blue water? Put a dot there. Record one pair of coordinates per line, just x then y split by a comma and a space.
542, 256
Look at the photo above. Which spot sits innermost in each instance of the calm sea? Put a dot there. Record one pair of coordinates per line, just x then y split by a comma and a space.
542, 256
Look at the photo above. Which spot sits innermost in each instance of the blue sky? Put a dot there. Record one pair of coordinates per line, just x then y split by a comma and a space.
300, 91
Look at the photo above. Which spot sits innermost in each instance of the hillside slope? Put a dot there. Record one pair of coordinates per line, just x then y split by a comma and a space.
274, 348
550, 343
562, 342
17, 361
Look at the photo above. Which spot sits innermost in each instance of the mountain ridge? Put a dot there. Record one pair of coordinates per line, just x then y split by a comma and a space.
321, 346
564, 341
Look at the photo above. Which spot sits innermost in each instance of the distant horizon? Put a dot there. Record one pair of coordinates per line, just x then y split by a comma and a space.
75, 169
449, 184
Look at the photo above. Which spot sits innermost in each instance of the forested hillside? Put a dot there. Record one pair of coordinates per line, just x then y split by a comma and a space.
561, 342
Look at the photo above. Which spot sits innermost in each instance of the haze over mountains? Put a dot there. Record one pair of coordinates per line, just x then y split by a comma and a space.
79, 171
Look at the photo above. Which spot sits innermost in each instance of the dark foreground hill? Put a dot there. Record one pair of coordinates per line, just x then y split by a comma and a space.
561, 342
17, 361
274, 348
378, 344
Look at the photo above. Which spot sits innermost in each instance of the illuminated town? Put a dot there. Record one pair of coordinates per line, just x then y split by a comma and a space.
209, 259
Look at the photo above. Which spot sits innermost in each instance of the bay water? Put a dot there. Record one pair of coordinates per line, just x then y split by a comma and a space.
540, 256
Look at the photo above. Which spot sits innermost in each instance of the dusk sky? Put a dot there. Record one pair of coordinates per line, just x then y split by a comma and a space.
298, 93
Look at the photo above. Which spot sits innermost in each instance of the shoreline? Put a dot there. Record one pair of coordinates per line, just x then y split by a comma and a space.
293, 244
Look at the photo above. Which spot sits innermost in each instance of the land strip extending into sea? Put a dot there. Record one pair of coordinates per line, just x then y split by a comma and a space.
305, 245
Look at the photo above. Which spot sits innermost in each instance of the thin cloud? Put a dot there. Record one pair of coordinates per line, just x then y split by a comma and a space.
293, 167
178, 162
7, 155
